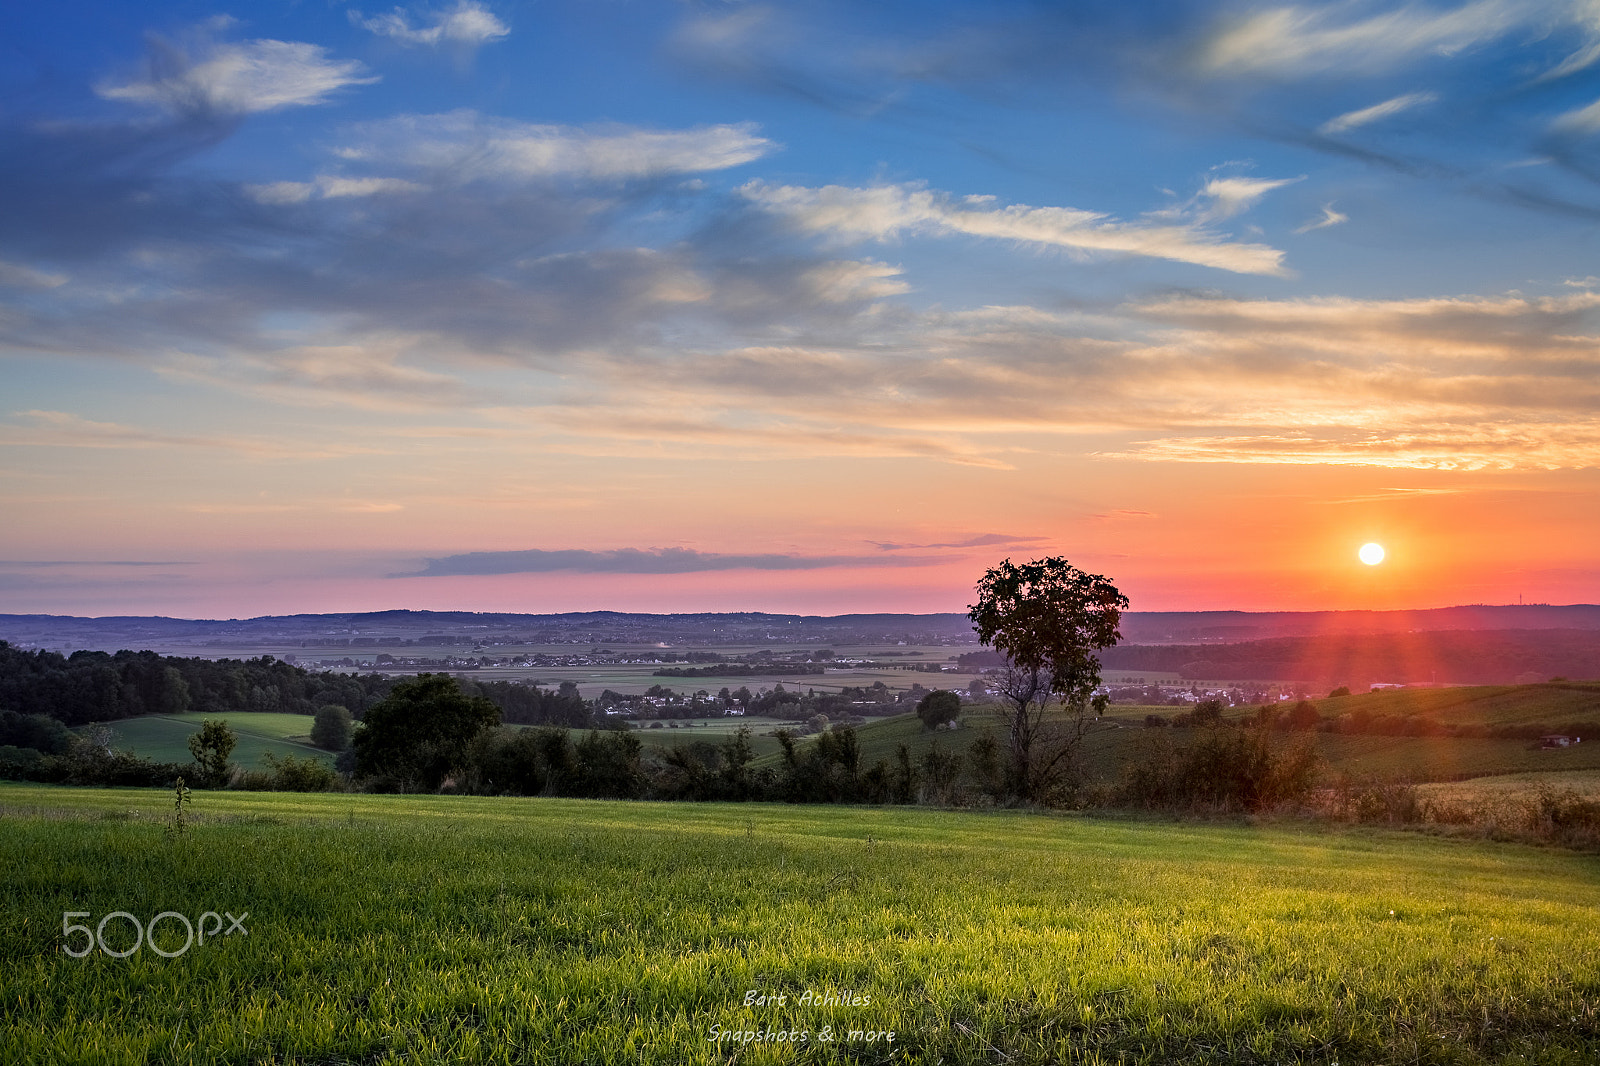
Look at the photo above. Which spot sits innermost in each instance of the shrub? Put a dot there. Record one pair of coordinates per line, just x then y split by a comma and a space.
290, 774
940, 769
1396, 802
211, 748
1229, 769
331, 730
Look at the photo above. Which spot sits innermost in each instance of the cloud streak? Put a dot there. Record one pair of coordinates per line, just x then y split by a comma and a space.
1367, 115
889, 212
645, 561
1302, 41
467, 24
214, 78
464, 146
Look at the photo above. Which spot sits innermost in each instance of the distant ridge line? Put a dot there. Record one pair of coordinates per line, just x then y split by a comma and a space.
1138, 627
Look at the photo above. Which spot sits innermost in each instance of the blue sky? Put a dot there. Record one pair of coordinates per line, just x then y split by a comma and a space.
695, 305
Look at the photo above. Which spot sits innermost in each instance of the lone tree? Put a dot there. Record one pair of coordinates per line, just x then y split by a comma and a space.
211, 748
331, 729
937, 708
418, 734
1048, 618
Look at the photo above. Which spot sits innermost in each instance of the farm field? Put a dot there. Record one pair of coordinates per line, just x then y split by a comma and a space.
625, 678
1551, 702
1511, 788
1114, 740
1117, 738
714, 731
427, 929
165, 738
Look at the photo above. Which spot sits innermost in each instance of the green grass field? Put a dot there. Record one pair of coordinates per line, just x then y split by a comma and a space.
165, 738
1114, 740
429, 929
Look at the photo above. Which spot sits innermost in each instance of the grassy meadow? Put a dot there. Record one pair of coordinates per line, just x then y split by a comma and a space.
1117, 738
165, 738
424, 929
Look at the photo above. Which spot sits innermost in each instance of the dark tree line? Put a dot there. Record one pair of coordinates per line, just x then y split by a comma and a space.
96, 686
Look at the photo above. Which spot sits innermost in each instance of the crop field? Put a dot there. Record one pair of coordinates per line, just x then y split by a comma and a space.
1507, 789
291, 727
398, 929
715, 731
166, 738
1117, 737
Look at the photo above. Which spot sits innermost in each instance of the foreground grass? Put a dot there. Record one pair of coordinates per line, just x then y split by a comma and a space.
454, 929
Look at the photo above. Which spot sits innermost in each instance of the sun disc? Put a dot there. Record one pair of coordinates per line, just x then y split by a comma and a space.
1371, 554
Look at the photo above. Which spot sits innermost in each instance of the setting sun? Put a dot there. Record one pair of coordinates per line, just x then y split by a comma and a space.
1371, 554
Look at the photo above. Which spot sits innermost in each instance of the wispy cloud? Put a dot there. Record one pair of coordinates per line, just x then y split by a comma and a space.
1330, 217
1450, 448
326, 187
645, 561
60, 429
92, 562
1227, 197
1389, 495
888, 212
21, 276
467, 24
1367, 115
985, 540
1579, 121
214, 78
465, 146
1302, 41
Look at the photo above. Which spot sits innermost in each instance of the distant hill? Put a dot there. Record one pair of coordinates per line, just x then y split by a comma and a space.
1445, 656
1228, 627
753, 627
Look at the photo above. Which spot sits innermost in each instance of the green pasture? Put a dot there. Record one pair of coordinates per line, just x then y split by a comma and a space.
291, 727
429, 929
166, 738
1440, 758
1553, 703
715, 731
1117, 738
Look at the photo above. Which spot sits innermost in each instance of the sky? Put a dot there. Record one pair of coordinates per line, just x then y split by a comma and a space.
812, 307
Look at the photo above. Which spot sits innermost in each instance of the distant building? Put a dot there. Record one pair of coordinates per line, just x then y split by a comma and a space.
1556, 741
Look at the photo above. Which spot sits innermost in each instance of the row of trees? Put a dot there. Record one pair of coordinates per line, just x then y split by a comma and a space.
93, 686
430, 735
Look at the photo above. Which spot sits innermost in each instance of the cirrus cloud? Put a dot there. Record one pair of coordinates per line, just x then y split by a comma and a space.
646, 561
465, 146
467, 24
887, 212
237, 78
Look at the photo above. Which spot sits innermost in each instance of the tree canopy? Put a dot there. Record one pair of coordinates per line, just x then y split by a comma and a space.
1048, 618
418, 734
1048, 615
937, 708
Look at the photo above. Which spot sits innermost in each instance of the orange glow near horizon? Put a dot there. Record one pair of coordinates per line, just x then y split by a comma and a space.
1244, 539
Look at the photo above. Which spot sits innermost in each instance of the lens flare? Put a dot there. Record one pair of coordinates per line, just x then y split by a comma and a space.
1371, 554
